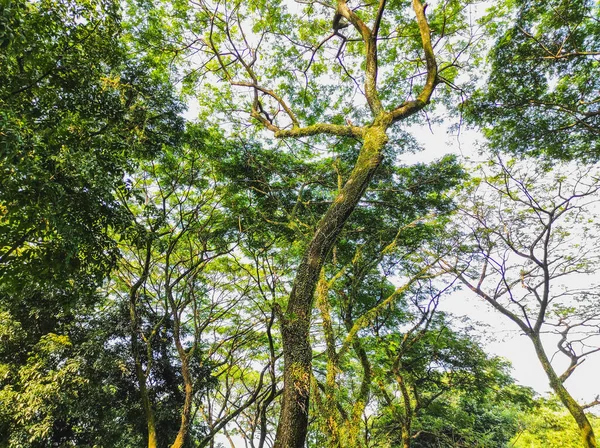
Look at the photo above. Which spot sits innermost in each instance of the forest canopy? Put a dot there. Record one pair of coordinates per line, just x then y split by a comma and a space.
210, 235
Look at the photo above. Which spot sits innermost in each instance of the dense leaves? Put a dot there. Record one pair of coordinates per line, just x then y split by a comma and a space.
542, 93
76, 112
547, 424
150, 266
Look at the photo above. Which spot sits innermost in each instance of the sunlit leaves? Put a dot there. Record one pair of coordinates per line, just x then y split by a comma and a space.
541, 96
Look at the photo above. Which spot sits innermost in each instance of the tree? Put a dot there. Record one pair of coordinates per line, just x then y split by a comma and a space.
144, 264
77, 111
188, 297
549, 424
527, 232
163, 277
442, 388
356, 295
389, 359
541, 97
243, 43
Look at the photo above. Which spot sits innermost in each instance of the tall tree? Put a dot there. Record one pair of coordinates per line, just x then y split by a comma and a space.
527, 232
77, 110
181, 288
275, 58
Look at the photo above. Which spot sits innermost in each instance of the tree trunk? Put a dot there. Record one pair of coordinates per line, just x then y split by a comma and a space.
188, 386
149, 414
135, 349
187, 405
406, 420
585, 429
406, 435
295, 323
142, 377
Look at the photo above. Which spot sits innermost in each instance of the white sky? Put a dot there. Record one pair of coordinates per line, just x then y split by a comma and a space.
503, 338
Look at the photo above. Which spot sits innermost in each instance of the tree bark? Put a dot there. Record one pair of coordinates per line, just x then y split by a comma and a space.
406, 420
187, 405
406, 435
184, 356
151, 426
139, 370
295, 324
578, 413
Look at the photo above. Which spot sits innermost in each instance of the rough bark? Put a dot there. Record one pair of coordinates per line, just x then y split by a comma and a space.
576, 410
295, 325
408, 413
295, 322
151, 426
406, 435
189, 394
139, 370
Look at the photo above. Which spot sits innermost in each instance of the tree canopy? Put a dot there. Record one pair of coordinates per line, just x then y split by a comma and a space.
269, 272
541, 96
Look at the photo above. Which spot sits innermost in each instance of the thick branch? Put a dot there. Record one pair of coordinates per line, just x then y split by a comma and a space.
411, 107
322, 128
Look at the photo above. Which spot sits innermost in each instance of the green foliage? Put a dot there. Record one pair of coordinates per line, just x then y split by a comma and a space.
542, 93
103, 186
477, 419
548, 424
55, 388
458, 394
77, 111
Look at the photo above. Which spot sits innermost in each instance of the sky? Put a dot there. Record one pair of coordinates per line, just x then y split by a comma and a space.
501, 336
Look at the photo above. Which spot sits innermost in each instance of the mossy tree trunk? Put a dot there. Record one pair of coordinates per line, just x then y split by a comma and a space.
295, 323
296, 319
188, 386
575, 409
141, 374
